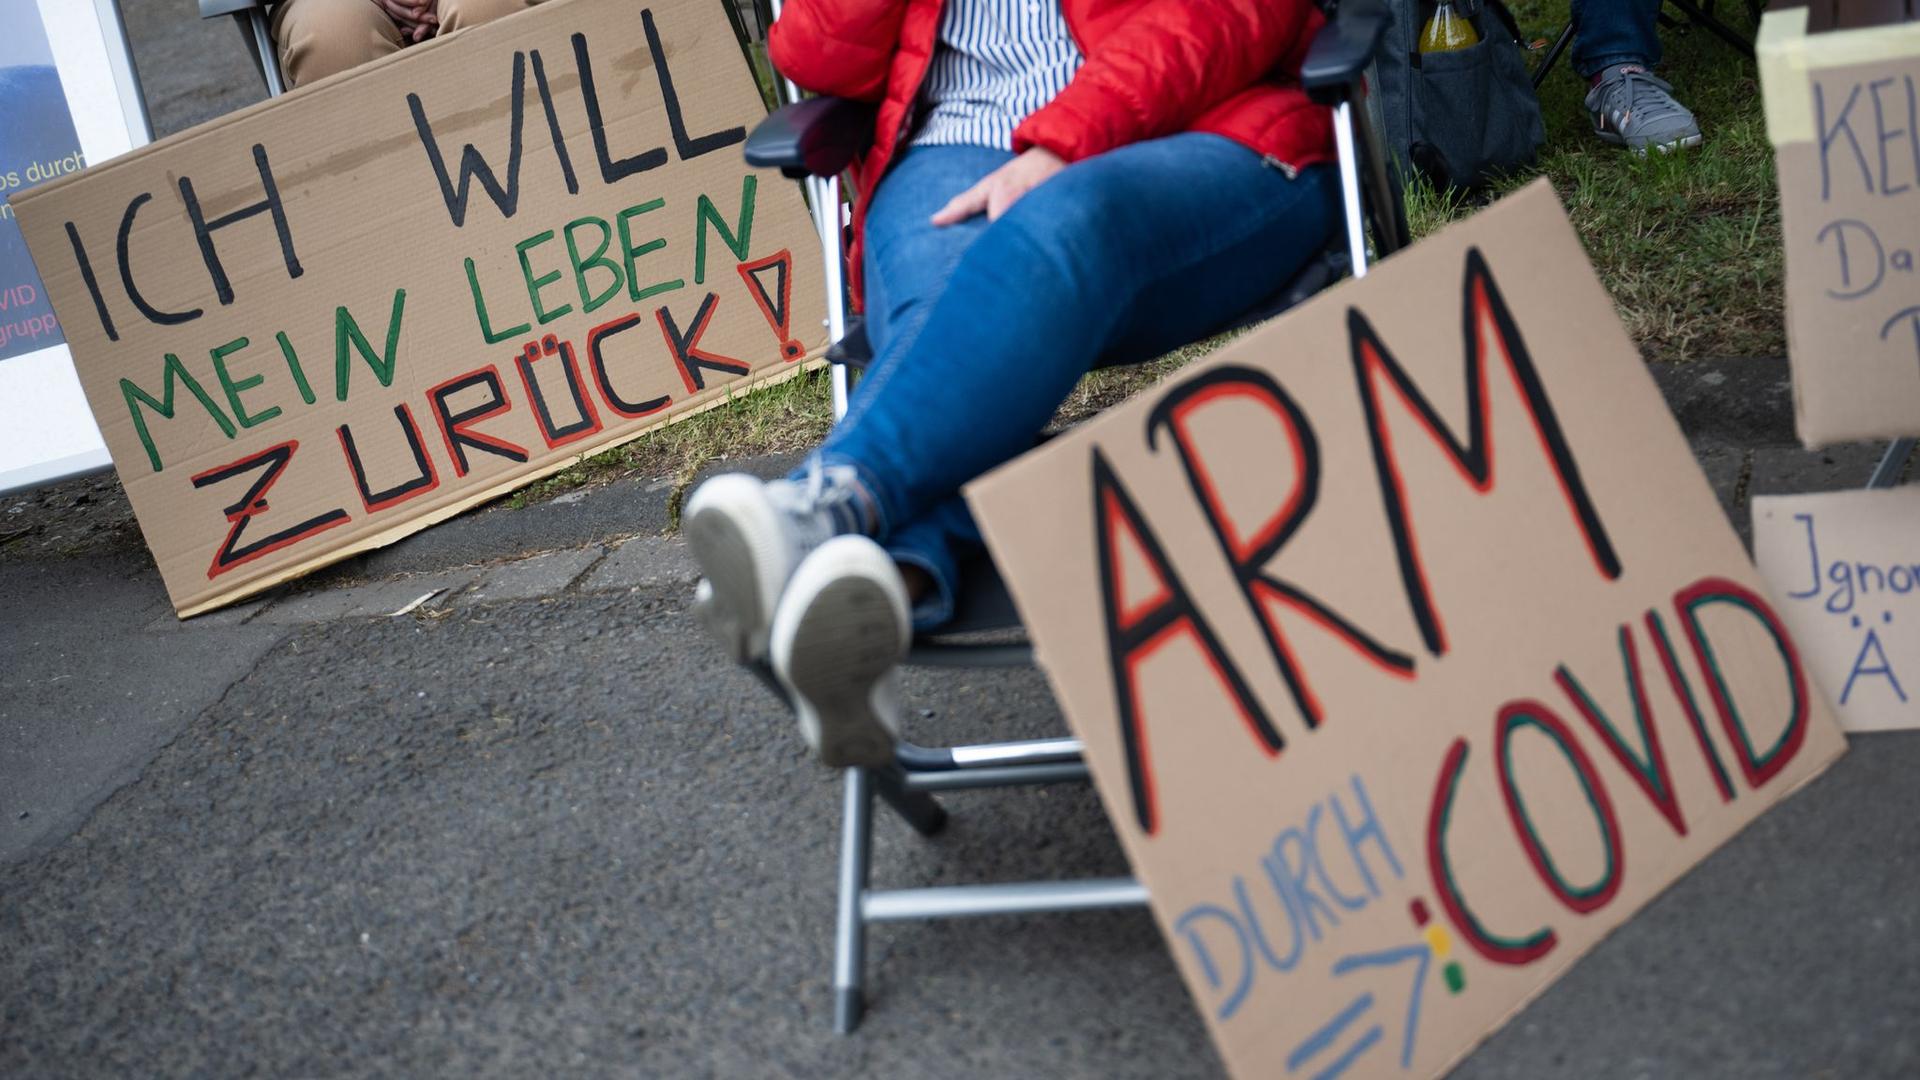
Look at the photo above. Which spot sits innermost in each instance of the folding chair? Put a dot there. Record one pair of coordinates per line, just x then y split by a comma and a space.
815, 141
251, 17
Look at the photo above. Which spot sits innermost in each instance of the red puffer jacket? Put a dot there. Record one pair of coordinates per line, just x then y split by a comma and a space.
1153, 68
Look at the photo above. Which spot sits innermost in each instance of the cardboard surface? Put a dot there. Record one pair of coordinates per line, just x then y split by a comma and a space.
327, 321
1842, 114
1493, 672
1844, 568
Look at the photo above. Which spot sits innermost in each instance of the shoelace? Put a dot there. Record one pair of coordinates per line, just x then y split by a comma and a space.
837, 497
1625, 98
816, 482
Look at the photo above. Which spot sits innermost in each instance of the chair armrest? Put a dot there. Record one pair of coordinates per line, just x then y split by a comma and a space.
1344, 47
817, 137
210, 9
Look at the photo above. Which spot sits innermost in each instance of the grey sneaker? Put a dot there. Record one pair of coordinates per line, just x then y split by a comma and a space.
749, 535
839, 635
1632, 108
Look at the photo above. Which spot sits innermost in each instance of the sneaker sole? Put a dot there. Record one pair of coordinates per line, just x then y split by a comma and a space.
735, 537
1682, 143
843, 644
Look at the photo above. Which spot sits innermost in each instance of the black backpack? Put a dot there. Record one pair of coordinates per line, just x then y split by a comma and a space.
1459, 118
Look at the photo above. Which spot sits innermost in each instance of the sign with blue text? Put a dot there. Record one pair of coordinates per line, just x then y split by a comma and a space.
1411, 650
1844, 567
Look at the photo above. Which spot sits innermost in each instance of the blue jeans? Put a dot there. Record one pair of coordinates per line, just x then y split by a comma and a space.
980, 330
1609, 32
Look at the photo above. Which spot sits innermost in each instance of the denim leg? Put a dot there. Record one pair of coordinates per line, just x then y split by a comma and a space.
908, 261
938, 541
1609, 32
1153, 245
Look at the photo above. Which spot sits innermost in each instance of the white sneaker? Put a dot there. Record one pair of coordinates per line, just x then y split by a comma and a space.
749, 535
837, 641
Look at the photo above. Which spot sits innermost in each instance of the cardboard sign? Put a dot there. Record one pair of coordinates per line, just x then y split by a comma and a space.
1410, 647
325, 322
1845, 568
1842, 116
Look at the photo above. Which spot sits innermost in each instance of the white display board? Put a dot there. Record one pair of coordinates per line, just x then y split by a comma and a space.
68, 98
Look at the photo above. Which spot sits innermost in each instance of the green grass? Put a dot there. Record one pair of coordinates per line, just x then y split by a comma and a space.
1688, 244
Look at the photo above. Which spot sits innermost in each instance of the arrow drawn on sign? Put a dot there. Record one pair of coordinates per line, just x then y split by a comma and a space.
1330, 1032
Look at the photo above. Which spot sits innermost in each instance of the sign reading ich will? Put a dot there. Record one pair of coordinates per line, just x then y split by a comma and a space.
1411, 650
333, 319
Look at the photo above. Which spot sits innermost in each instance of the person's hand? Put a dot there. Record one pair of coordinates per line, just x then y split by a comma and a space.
416, 18
1002, 187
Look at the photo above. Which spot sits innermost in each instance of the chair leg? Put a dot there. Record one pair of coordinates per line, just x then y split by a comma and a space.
1553, 56
1714, 26
850, 936
921, 810
1346, 143
266, 57
1892, 464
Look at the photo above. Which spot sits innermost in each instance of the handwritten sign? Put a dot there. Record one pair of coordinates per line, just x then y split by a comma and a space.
1845, 567
1410, 647
1842, 116
328, 321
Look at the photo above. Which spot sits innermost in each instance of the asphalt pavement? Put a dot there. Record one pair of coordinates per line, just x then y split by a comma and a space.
535, 826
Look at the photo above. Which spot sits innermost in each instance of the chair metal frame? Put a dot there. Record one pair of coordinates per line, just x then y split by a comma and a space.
1893, 462
251, 17
1336, 73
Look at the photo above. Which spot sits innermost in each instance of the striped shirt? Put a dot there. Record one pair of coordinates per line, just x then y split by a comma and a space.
996, 63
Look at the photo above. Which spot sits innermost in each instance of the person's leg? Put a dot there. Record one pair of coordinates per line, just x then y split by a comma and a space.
317, 38
1611, 32
907, 259
748, 536
1146, 249
836, 644
455, 14
1153, 245
933, 548
1616, 43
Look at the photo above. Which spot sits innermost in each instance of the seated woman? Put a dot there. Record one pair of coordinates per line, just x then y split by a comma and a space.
1051, 182
317, 38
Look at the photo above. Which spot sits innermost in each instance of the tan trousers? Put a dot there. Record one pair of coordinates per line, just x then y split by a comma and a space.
317, 38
